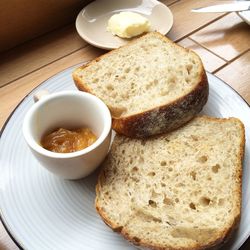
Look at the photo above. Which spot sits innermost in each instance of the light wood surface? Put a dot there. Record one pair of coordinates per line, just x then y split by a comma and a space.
186, 22
237, 75
222, 40
210, 60
228, 37
38, 53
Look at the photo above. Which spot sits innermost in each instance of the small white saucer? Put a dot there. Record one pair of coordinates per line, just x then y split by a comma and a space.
91, 22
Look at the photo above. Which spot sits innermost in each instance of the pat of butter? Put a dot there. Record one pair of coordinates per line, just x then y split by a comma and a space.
128, 24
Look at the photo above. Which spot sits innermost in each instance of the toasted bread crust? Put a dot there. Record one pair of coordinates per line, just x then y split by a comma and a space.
166, 117
221, 238
160, 119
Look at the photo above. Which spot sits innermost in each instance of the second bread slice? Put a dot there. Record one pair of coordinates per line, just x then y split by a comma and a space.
180, 190
151, 85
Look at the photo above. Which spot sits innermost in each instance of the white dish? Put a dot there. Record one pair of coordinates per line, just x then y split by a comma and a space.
91, 22
245, 15
42, 211
65, 109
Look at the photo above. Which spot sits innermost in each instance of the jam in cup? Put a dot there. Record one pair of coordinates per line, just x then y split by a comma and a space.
71, 111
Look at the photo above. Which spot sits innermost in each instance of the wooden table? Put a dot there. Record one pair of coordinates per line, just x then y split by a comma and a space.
222, 40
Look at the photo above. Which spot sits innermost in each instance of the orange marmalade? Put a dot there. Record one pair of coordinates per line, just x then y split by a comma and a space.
67, 141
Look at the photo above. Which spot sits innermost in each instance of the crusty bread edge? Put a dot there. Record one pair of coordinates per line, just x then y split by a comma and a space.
175, 113
137, 125
224, 235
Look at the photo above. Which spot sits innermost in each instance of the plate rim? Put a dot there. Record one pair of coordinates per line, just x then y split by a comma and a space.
18, 243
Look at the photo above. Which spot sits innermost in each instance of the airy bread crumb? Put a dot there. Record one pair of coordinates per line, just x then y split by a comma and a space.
180, 190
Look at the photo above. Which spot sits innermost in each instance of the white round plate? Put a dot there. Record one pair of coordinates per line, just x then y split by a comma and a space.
92, 21
42, 211
245, 15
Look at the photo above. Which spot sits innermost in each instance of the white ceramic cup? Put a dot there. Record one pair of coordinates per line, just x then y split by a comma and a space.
69, 109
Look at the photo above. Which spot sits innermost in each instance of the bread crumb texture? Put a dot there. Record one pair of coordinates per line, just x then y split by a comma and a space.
147, 73
181, 190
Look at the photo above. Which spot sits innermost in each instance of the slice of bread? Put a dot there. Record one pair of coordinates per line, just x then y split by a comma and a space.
151, 85
180, 190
